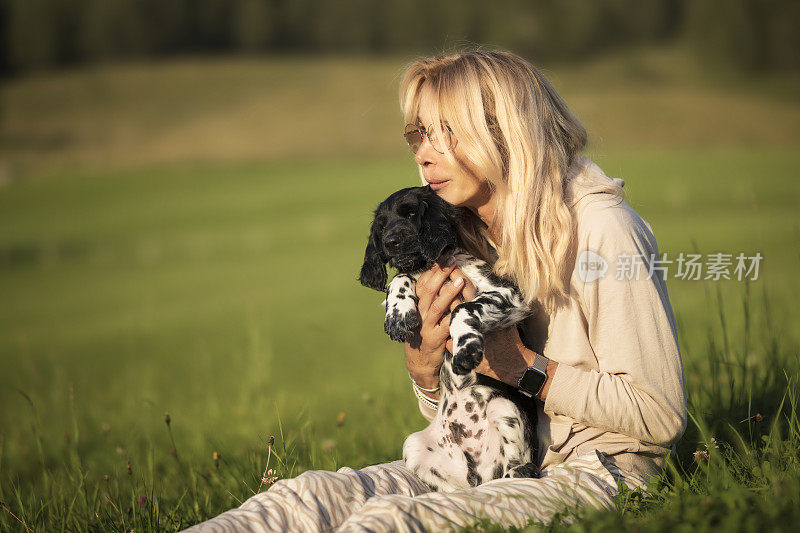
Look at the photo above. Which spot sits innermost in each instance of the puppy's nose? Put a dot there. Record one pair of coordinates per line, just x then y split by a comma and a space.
392, 243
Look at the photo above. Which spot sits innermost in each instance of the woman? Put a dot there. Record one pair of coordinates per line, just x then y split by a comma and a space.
491, 135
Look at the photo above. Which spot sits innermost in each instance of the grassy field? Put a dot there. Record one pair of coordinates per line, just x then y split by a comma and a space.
219, 285
257, 109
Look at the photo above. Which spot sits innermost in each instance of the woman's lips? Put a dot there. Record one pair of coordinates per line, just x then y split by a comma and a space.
436, 185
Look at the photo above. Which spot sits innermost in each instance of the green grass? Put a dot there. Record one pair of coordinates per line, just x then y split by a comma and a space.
262, 108
184, 236
226, 295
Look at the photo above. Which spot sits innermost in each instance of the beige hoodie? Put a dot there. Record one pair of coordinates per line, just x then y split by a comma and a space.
619, 386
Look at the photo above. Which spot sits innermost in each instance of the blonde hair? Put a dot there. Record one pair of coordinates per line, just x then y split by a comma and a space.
515, 132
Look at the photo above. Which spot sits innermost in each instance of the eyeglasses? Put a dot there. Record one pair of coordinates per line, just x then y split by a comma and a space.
415, 136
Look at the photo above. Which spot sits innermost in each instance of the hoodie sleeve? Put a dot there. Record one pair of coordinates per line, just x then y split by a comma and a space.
638, 389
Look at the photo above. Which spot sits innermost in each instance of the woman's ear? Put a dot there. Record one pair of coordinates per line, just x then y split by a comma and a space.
373, 271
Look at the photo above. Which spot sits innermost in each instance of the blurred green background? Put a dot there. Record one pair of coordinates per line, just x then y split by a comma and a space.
186, 188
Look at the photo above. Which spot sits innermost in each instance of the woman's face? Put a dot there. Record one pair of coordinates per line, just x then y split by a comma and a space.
453, 182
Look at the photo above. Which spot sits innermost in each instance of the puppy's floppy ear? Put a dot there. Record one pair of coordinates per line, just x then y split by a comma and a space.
373, 271
422, 208
438, 227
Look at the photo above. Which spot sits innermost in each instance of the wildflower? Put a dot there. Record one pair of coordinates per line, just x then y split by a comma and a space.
215, 456
701, 455
328, 445
129, 467
142, 501
340, 418
266, 476
270, 478
121, 450
106, 427
108, 497
167, 418
712, 444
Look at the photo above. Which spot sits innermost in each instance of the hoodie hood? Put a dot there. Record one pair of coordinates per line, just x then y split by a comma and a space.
584, 178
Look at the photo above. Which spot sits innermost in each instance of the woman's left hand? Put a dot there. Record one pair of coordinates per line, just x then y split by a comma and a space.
505, 358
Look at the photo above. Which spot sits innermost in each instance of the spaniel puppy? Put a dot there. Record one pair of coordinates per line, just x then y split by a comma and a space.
481, 431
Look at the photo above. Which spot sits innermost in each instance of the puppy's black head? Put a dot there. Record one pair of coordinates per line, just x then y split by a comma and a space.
411, 229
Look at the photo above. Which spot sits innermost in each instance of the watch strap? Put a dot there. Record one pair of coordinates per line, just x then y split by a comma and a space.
540, 364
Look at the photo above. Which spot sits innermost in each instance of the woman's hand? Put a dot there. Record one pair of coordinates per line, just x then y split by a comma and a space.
504, 353
506, 358
438, 290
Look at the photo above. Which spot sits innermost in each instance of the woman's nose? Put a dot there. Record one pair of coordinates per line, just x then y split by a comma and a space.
425, 153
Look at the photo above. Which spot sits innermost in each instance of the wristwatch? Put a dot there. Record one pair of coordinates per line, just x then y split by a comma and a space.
534, 377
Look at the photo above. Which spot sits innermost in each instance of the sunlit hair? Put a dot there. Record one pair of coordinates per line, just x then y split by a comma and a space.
515, 132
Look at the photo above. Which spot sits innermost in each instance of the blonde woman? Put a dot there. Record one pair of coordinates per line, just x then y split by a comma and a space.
491, 135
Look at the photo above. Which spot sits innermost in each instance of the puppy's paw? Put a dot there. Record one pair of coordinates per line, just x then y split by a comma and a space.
402, 326
468, 353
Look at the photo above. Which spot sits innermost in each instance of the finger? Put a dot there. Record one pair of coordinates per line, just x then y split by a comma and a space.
427, 293
458, 300
437, 334
444, 325
469, 291
441, 304
422, 279
424, 294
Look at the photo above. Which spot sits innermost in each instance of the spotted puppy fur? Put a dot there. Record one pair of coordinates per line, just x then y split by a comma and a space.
481, 431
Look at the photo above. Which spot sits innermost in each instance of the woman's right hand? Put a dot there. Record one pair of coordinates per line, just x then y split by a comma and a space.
435, 300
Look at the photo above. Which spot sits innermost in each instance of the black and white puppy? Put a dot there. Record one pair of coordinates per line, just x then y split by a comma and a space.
480, 431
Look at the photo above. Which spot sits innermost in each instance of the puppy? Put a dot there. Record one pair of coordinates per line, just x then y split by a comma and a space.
481, 431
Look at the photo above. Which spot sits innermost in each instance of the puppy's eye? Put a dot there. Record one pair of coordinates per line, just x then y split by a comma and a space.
407, 210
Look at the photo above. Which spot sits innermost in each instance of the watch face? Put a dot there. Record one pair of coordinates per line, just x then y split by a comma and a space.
532, 381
